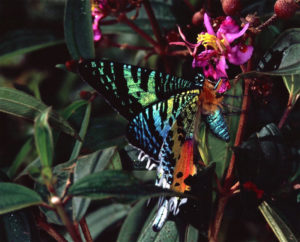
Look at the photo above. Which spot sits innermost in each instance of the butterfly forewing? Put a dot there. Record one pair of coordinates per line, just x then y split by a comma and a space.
129, 89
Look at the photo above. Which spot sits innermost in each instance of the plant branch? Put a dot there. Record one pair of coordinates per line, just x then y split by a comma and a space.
287, 111
56, 201
267, 23
154, 23
123, 18
85, 230
228, 188
50, 230
215, 226
131, 47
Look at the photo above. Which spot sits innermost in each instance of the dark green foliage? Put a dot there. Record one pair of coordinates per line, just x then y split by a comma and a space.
74, 148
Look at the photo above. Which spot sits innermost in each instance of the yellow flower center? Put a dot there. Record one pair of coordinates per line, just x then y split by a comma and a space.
209, 40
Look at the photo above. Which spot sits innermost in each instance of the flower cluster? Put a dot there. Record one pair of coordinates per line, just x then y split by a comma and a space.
218, 47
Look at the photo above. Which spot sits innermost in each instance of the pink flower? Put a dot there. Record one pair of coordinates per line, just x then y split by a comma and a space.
217, 49
97, 14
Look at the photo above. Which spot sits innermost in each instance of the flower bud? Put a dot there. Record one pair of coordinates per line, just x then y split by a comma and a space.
285, 8
198, 17
231, 7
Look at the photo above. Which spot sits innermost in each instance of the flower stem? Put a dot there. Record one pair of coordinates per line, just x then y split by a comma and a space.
123, 18
286, 113
56, 201
85, 230
267, 23
228, 189
215, 226
50, 230
153, 21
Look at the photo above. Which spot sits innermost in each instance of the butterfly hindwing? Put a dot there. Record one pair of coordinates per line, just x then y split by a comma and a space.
150, 127
181, 131
129, 89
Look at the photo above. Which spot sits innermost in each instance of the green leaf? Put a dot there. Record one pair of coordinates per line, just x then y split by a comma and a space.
219, 151
192, 234
22, 105
19, 226
101, 219
43, 138
24, 151
134, 222
78, 29
112, 183
278, 226
169, 232
82, 132
115, 162
105, 132
71, 109
292, 83
14, 197
24, 41
86, 165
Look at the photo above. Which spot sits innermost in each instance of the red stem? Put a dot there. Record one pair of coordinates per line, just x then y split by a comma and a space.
131, 47
50, 230
286, 113
267, 23
154, 23
228, 188
85, 230
123, 18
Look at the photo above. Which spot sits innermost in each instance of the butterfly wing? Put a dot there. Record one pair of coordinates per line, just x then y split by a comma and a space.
150, 127
176, 162
129, 89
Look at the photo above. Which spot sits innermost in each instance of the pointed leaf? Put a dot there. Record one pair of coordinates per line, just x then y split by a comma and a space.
169, 232
112, 183
86, 165
22, 105
192, 234
19, 226
20, 157
43, 138
82, 132
219, 151
105, 132
278, 226
14, 197
101, 219
134, 222
24, 41
78, 29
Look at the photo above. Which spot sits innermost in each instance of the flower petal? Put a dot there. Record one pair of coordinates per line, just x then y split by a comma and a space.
221, 67
203, 58
227, 26
232, 36
207, 24
237, 56
224, 85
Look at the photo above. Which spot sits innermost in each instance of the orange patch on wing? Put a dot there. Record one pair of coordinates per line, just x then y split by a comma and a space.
208, 98
184, 168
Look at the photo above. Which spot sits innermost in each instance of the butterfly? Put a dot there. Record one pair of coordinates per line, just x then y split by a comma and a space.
163, 113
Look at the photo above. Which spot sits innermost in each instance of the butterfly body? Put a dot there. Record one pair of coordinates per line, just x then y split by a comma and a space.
162, 111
